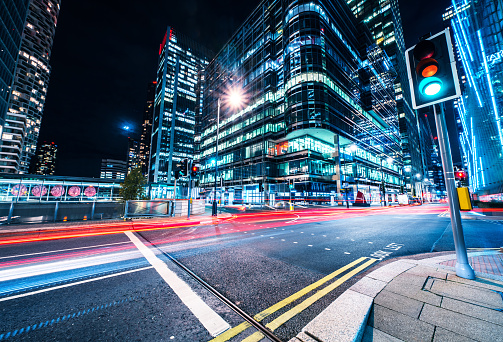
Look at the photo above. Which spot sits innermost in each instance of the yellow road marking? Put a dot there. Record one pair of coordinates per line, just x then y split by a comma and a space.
276, 323
260, 316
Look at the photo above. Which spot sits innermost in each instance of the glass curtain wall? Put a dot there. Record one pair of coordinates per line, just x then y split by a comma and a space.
314, 83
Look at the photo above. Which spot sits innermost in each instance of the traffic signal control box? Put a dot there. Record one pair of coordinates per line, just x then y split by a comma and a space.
432, 72
465, 202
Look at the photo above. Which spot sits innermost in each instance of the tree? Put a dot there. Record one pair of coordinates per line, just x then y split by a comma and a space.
133, 186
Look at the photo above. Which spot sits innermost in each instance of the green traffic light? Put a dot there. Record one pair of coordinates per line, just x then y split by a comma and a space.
430, 86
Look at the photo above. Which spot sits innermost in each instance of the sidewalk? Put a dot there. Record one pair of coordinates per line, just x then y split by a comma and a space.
417, 300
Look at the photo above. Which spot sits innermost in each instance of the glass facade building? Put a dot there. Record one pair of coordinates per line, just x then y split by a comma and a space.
12, 19
383, 19
29, 89
319, 108
177, 98
478, 34
45, 161
146, 129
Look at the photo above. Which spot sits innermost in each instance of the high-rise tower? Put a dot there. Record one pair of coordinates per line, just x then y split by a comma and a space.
146, 131
176, 100
12, 21
29, 89
384, 21
477, 29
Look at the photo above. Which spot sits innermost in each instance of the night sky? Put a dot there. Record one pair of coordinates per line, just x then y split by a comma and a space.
105, 53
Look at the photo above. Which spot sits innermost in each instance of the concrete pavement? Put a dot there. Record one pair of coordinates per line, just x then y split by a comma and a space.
417, 300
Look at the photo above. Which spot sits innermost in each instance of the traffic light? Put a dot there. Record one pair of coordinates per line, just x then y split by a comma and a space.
195, 170
291, 184
431, 69
460, 175
260, 187
184, 168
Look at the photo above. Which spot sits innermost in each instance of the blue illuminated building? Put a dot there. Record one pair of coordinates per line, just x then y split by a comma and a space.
478, 34
12, 20
176, 104
384, 22
319, 109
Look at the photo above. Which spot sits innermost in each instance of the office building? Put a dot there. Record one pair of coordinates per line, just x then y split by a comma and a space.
29, 89
477, 28
133, 155
12, 21
384, 21
113, 169
177, 98
146, 129
318, 111
45, 159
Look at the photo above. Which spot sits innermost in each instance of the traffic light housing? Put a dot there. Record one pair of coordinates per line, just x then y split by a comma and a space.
291, 184
194, 171
431, 69
184, 168
460, 175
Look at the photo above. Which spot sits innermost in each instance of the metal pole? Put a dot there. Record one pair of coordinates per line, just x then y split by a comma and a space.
214, 207
463, 268
190, 193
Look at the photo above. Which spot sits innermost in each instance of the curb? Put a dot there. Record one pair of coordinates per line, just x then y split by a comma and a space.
346, 318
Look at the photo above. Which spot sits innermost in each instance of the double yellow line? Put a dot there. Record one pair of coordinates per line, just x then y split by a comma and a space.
273, 325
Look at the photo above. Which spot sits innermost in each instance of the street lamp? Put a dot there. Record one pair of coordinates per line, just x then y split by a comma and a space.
235, 99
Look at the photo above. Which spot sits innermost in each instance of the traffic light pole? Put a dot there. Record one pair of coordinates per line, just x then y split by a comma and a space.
214, 206
463, 268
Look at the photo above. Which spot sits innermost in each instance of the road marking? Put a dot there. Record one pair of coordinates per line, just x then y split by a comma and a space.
73, 284
276, 323
208, 318
278, 306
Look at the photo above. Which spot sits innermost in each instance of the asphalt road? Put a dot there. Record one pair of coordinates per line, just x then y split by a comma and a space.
126, 287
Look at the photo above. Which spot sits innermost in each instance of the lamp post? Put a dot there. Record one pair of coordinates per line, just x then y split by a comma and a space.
235, 98
214, 207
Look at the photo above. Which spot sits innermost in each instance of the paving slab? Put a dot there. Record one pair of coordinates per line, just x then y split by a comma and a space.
421, 270
467, 326
302, 337
376, 335
467, 293
411, 286
369, 286
399, 325
493, 316
343, 320
443, 335
491, 284
399, 303
390, 271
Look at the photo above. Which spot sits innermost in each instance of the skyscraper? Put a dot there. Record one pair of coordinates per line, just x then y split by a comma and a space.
176, 99
12, 21
319, 111
133, 156
29, 89
384, 21
478, 31
45, 159
146, 129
